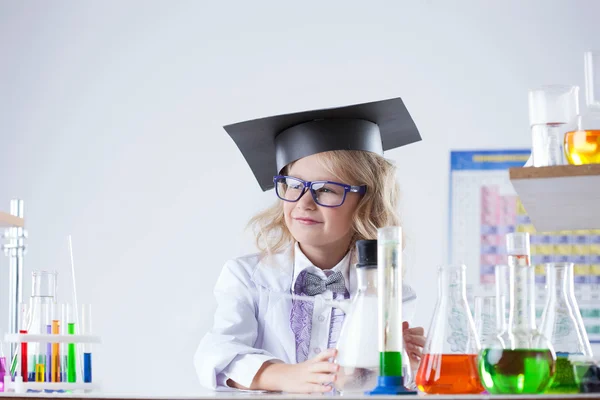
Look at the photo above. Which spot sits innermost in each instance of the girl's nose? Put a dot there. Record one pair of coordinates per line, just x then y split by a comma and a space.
307, 201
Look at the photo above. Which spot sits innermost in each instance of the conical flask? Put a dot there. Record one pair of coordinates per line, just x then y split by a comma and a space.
358, 353
449, 363
520, 361
563, 326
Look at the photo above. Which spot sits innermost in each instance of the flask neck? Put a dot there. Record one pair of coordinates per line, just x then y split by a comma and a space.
521, 294
452, 283
559, 277
366, 279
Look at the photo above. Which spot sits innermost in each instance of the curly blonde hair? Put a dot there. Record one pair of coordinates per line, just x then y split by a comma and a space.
377, 208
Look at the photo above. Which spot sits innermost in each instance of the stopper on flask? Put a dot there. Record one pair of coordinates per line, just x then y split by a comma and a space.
367, 253
517, 244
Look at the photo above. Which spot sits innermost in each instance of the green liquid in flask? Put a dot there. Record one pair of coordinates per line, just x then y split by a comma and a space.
519, 371
564, 379
390, 363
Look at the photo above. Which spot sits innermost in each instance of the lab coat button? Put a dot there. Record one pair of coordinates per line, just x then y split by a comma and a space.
317, 350
321, 318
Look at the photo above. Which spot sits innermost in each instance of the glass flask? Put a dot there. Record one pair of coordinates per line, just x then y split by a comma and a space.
449, 362
40, 303
552, 112
587, 373
563, 326
520, 361
488, 321
358, 353
582, 145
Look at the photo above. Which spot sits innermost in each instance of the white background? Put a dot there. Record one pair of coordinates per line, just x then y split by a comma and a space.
111, 118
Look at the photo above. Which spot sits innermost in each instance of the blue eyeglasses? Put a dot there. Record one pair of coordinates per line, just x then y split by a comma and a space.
324, 193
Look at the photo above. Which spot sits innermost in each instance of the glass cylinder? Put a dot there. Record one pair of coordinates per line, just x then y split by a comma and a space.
501, 276
563, 326
389, 277
552, 112
520, 361
449, 362
582, 145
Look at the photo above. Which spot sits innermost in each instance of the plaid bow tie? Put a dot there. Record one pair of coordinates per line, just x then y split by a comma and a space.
314, 284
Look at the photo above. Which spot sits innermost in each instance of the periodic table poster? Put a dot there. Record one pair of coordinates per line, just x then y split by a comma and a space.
484, 207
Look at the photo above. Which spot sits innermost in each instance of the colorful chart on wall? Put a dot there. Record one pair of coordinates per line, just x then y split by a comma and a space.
484, 208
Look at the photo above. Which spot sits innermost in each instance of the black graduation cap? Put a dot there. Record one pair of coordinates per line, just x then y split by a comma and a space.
269, 144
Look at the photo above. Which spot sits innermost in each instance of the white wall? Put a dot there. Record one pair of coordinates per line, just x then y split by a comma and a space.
111, 116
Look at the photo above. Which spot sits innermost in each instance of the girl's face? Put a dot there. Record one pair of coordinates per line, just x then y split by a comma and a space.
314, 225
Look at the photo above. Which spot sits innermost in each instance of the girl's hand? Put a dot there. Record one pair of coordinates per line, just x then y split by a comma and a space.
414, 341
311, 376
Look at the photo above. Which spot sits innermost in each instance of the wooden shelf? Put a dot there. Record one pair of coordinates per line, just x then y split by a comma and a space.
8, 221
560, 198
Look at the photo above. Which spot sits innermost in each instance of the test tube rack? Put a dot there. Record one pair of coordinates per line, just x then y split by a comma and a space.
18, 386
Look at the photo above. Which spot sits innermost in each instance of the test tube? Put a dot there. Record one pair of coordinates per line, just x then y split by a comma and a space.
87, 348
47, 309
389, 296
55, 346
24, 355
72, 353
3, 369
63, 346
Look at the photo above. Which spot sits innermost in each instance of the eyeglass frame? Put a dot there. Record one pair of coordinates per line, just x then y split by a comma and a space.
361, 189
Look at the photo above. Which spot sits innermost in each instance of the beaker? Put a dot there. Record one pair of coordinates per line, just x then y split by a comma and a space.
358, 353
449, 362
40, 303
563, 326
520, 360
552, 113
582, 145
488, 321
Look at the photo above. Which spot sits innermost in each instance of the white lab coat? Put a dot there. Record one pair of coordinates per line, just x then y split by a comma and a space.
252, 320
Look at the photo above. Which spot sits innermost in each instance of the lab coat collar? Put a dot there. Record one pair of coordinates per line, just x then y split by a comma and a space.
278, 271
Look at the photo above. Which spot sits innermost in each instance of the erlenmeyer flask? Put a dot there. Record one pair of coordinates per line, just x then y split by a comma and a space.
449, 363
358, 352
563, 326
521, 360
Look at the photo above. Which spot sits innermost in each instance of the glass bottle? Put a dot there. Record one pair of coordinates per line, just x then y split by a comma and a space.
563, 326
582, 145
358, 354
520, 361
552, 112
449, 362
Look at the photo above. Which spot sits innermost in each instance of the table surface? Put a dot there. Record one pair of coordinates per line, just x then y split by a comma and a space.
275, 396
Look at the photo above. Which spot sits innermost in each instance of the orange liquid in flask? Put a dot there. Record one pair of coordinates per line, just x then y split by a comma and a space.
583, 147
449, 374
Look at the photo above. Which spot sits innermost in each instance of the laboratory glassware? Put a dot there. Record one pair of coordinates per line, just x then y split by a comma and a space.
582, 145
563, 326
488, 322
552, 113
389, 307
358, 353
43, 296
520, 361
449, 362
